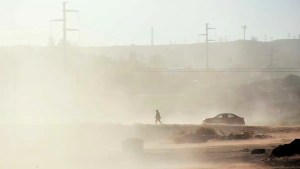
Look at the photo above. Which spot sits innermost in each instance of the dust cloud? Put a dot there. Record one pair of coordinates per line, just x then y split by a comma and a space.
127, 84
74, 110
72, 101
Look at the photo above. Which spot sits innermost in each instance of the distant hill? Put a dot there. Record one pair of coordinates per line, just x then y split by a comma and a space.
283, 53
235, 54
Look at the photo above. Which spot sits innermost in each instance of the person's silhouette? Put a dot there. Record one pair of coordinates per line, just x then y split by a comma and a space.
157, 117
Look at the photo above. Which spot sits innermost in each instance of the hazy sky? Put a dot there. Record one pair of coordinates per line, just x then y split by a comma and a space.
123, 22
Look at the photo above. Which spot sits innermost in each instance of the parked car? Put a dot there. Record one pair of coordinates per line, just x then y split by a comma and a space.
225, 118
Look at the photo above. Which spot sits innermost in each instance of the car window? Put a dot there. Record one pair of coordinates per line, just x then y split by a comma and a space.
220, 116
230, 116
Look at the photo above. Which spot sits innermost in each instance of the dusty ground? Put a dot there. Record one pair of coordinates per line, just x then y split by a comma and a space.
93, 146
209, 155
224, 154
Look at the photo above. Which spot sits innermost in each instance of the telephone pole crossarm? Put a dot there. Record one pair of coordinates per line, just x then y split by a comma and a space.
64, 21
207, 28
65, 29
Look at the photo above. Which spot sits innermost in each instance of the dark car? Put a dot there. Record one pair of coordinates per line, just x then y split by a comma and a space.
225, 118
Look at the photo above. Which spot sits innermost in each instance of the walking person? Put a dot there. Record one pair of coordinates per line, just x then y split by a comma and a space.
157, 117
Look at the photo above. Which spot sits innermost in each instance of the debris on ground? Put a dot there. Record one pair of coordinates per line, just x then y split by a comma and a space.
287, 150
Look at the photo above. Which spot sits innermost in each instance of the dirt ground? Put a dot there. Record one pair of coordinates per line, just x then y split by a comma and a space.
208, 155
96, 146
222, 154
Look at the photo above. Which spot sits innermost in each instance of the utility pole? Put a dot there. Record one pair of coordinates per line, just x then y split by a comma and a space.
14, 87
64, 21
272, 60
152, 36
271, 57
207, 28
64, 25
244, 27
265, 38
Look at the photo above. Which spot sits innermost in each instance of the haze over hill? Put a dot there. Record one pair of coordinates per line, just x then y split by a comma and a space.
236, 54
110, 84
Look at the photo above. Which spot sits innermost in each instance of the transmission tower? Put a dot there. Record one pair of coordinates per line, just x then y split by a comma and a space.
207, 28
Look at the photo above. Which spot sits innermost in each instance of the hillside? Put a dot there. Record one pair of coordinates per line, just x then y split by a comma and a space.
236, 54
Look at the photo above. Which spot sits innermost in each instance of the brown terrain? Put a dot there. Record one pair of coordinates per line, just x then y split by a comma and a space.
233, 150
165, 146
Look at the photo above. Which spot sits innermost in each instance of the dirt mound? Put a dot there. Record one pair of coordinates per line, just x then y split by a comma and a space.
287, 150
201, 134
206, 133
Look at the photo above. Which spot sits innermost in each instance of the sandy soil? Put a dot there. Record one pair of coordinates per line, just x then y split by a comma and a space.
208, 155
96, 146
223, 154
